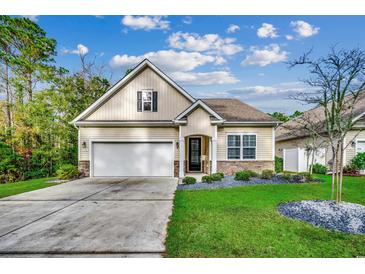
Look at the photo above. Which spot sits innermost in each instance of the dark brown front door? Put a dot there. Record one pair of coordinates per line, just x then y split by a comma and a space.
194, 154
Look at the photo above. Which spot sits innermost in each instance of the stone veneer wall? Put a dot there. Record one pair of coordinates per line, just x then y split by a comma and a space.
84, 168
176, 168
231, 167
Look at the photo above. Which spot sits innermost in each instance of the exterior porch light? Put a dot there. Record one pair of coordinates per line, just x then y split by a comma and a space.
177, 145
83, 144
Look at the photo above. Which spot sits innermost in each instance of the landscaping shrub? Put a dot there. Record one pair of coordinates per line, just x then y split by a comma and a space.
67, 171
286, 176
189, 180
207, 179
252, 173
319, 169
243, 175
216, 176
221, 174
306, 175
267, 174
350, 169
278, 164
359, 161
11, 165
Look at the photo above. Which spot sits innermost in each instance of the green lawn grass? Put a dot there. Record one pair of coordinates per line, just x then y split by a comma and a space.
23, 186
244, 222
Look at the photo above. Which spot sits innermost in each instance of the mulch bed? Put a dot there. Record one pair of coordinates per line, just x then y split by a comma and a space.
343, 217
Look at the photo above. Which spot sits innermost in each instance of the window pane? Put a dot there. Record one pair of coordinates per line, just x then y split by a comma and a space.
147, 106
233, 153
234, 140
249, 140
147, 96
249, 153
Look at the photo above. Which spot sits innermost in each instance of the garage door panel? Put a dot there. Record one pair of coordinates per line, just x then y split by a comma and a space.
133, 159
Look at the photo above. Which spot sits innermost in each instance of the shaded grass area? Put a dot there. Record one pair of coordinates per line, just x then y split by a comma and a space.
24, 186
244, 222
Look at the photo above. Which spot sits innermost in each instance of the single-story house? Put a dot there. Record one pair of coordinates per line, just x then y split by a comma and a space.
147, 125
291, 139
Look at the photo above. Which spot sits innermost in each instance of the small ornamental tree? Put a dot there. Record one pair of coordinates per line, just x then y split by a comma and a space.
337, 81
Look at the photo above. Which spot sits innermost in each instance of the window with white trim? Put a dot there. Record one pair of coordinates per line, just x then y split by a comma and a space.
147, 100
241, 146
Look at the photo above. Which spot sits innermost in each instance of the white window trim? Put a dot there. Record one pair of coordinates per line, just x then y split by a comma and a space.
143, 101
241, 146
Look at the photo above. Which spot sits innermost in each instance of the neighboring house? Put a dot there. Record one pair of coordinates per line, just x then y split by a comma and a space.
290, 138
147, 125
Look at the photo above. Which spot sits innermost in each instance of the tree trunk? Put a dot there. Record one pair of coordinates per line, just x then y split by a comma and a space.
30, 87
8, 97
311, 167
341, 172
333, 173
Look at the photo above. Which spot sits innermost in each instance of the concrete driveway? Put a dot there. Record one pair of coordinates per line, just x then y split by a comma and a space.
123, 217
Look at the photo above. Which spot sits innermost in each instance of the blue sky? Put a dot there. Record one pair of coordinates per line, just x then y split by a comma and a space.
210, 56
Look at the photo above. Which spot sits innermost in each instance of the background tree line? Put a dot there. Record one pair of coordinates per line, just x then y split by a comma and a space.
38, 100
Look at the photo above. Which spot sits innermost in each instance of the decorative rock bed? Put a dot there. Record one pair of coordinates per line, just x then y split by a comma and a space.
229, 181
344, 217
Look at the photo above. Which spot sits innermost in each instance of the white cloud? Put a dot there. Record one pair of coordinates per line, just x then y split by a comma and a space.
267, 31
80, 50
266, 56
187, 20
232, 28
289, 37
304, 29
145, 22
33, 18
210, 43
168, 60
204, 78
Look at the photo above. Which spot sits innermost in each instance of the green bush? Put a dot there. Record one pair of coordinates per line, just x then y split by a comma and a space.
189, 180
267, 174
221, 174
216, 176
349, 169
307, 176
243, 175
67, 171
252, 173
278, 164
11, 165
319, 169
286, 176
207, 179
359, 161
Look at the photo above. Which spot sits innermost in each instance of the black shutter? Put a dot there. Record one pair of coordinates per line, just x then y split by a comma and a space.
139, 101
154, 101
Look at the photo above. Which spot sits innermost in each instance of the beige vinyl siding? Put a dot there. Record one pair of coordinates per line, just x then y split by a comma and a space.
198, 123
123, 104
125, 133
264, 141
350, 151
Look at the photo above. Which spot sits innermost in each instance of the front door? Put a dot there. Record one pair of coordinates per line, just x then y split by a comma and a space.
194, 154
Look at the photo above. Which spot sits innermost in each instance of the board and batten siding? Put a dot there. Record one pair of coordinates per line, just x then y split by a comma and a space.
123, 104
126, 133
198, 123
264, 141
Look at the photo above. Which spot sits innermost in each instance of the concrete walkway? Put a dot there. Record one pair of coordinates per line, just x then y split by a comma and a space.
103, 217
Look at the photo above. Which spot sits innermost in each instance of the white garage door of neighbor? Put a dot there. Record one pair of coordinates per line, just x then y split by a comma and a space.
133, 159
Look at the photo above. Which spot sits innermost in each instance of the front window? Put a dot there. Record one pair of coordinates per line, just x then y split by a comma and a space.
147, 100
241, 146
234, 146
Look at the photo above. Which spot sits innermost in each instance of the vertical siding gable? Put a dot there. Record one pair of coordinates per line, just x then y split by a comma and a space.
123, 104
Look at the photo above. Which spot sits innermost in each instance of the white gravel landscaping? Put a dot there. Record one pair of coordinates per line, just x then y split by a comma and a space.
344, 217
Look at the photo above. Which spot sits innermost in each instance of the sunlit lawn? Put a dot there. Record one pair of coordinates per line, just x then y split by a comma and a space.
9, 189
244, 222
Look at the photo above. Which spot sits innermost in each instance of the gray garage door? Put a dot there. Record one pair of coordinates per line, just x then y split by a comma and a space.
132, 159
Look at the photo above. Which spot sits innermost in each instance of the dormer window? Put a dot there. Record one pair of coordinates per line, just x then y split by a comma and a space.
147, 101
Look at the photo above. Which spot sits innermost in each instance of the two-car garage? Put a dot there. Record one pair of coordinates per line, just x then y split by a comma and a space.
145, 158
